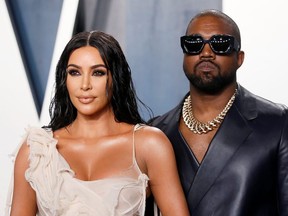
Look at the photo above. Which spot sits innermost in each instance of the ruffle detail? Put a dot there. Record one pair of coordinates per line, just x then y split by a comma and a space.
59, 193
44, 173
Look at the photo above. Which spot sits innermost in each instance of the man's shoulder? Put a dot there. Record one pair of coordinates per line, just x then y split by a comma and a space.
262, 104
170, 116
252, 106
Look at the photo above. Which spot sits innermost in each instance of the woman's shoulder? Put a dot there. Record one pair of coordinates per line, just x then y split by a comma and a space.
151, 136
32, 134
38, 135
149, 130
36, 141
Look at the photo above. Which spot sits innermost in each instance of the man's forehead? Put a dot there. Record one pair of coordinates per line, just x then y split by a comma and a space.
210, 24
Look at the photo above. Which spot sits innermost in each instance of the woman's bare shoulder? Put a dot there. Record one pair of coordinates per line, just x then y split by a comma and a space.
151, 131
149, 136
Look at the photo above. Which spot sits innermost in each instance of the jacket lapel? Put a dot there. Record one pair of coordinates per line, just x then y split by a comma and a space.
187, 164
231, 134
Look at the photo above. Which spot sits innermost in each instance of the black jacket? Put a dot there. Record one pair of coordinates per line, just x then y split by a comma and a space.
245, 169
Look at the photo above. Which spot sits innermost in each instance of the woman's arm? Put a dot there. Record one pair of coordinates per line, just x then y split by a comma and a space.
158, 155
24, 197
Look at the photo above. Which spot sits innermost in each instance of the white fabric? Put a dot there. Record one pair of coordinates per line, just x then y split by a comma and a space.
59, 193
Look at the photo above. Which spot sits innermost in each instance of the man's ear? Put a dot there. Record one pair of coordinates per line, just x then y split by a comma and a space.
240, 57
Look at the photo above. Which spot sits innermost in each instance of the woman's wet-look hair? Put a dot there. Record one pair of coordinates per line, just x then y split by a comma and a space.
123, 96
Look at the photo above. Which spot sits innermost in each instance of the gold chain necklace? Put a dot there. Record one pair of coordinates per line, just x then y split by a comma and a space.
199, 127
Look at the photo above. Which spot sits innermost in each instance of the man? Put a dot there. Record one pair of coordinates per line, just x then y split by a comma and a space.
231, 146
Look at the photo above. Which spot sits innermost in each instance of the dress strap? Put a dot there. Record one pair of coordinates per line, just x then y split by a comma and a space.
136, 127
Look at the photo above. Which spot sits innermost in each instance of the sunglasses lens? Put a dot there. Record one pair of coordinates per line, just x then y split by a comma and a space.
221, 44
192, 44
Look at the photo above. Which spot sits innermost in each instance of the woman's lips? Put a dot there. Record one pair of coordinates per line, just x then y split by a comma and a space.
86, 100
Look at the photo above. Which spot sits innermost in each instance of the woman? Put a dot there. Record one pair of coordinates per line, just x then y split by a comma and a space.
96, 157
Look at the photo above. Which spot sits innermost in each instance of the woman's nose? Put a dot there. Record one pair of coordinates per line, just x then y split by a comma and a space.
86, 83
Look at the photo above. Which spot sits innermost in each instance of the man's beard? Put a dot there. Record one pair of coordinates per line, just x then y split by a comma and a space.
211, 84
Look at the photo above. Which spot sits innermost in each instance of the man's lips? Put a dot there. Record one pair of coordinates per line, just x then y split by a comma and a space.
206, 66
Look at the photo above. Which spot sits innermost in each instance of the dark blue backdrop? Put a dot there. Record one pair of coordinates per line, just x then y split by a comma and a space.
148, 32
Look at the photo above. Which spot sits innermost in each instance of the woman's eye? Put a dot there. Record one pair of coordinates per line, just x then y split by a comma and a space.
73, 72
99, 73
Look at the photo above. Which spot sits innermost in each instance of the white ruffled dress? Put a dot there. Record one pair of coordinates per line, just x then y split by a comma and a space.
60, 193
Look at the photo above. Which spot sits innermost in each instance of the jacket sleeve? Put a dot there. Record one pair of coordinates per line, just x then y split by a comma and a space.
283, 169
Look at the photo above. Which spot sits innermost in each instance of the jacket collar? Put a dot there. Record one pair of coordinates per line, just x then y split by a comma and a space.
245, 103
231, 134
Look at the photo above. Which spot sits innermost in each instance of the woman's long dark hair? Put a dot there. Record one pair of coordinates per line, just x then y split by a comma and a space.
124, 98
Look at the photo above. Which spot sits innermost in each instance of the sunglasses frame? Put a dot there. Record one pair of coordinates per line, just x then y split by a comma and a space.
234, 44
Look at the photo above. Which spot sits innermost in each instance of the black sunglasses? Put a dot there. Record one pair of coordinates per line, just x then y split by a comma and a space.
220, 44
